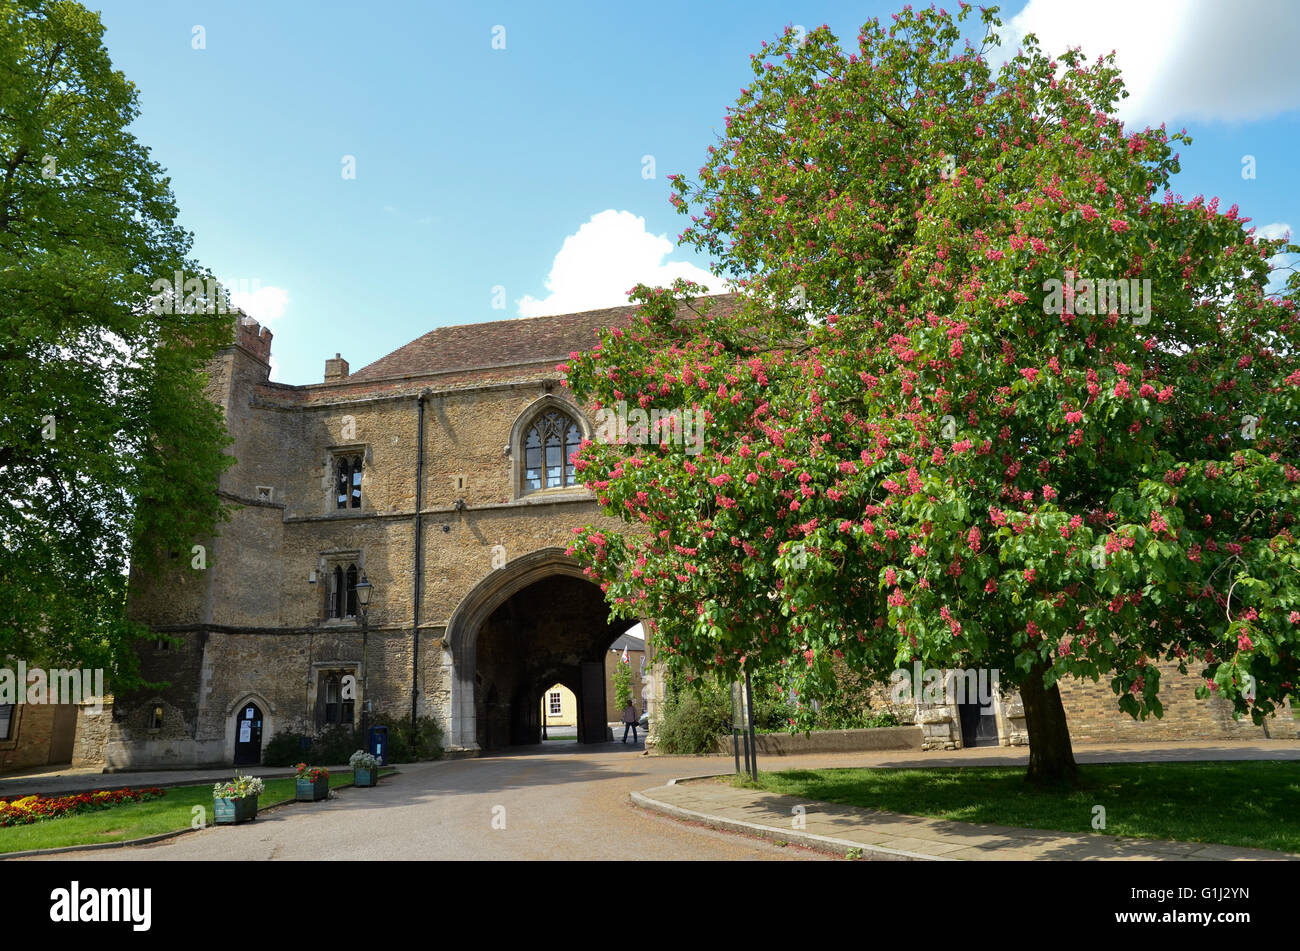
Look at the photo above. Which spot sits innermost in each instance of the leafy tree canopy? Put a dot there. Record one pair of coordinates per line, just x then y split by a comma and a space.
107, 440
994, 396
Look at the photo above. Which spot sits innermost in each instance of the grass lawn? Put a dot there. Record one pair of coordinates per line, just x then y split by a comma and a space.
137, 819
1252, 804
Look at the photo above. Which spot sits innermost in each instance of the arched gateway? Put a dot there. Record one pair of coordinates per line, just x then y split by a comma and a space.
536, 621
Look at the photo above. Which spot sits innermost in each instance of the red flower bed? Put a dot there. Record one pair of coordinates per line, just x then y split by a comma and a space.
36, 808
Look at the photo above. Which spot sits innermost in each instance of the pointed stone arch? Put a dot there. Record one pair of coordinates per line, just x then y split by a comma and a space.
268, 720
477, 605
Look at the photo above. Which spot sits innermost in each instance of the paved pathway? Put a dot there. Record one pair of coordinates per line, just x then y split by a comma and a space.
571, 801
565, 804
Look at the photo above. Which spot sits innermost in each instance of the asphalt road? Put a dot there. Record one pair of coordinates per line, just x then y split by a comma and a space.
537, 803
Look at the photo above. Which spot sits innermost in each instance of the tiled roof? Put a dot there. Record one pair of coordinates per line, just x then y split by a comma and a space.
629, 642
520, 341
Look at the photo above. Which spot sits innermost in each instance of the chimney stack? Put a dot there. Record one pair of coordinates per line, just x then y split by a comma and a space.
336, 369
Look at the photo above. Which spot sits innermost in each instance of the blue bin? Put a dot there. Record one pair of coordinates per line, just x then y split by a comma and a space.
379, 744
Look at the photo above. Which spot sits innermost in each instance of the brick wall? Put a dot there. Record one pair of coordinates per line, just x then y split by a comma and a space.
38, 736
1094, 717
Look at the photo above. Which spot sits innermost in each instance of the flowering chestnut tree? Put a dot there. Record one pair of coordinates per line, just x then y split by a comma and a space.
990, 396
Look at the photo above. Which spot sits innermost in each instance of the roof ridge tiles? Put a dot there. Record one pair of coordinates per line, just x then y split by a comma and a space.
495, 343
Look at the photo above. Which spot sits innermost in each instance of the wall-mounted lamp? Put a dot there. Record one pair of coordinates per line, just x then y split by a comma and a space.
311, 576
460, 505
505, 450
364, 589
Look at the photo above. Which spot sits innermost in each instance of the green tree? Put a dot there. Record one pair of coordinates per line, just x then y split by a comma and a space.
108, 445
927, 437
622, 684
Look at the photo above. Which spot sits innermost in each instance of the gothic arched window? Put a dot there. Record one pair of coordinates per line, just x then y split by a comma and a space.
549, 443
347, 481
343, 591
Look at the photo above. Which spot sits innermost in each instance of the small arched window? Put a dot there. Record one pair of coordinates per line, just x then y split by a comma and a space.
347, 481
549, 444
343, 591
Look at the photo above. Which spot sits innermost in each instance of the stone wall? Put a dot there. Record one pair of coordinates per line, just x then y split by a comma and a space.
1093, 715
93, 729
829, 741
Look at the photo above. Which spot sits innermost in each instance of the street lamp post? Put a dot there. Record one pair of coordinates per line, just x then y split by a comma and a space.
364, 591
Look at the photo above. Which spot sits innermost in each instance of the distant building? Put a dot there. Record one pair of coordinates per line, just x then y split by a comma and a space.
636, 657
52, 734
559, 706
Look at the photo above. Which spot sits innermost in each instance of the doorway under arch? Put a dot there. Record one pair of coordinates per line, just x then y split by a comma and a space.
534, 623
248, 735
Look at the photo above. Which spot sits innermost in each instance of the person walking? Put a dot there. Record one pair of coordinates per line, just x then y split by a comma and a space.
631, 720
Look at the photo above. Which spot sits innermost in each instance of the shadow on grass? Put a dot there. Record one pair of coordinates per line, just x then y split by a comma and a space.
1248, 804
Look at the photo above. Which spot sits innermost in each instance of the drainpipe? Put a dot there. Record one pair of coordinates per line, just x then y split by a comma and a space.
418, 550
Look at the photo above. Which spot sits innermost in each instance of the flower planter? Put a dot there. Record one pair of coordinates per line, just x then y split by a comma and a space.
312, 792
365, 777
235, 811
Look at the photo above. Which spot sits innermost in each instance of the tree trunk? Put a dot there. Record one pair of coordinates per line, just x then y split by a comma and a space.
1051, 756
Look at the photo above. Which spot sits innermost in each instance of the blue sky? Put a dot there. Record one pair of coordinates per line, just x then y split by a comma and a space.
518, 176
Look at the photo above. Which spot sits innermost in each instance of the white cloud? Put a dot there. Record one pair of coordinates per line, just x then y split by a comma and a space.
1283, 264
1181, 59
266, 305
1271, 232
608, 255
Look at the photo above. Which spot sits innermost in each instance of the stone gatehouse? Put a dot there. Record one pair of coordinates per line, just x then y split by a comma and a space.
439, 476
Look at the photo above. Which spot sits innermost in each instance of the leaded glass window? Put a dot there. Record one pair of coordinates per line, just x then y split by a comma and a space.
347, 482
549, 445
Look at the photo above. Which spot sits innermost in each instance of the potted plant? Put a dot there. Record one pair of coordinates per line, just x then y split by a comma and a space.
365, 769
313, 783
235, 801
